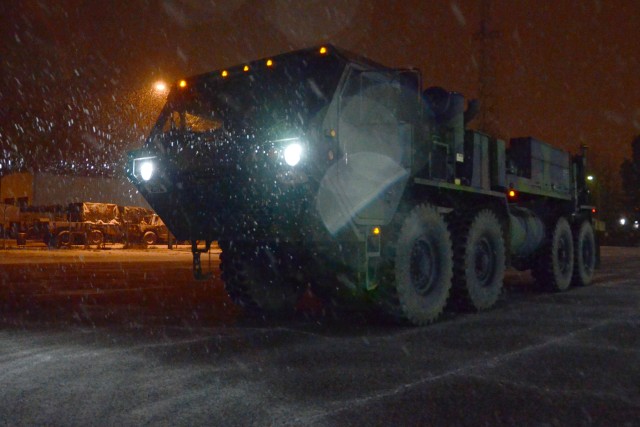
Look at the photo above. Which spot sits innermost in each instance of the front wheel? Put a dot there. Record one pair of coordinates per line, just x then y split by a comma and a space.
63, 240
254, 279
150, 238
423, 265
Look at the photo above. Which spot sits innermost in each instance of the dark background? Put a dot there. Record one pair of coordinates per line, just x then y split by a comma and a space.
76, 76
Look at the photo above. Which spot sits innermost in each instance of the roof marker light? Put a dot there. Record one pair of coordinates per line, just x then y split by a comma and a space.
224, 73
183, 83
269, 63
512, 194
246, 68
323, 50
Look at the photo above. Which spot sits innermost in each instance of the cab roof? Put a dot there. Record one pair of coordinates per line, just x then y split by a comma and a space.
272, 61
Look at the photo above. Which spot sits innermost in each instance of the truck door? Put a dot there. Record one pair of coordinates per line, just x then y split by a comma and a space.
375, 136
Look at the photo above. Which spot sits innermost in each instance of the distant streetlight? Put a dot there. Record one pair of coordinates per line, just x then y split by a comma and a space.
160, 87
590, 177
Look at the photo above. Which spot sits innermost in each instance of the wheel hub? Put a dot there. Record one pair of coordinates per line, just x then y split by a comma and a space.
563, 255
485, 261
587, 255
423, 266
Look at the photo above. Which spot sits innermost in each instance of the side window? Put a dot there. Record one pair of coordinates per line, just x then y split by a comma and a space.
368, 117
370, 97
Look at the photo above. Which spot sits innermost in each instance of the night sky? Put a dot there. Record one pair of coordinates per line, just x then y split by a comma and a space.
77, 75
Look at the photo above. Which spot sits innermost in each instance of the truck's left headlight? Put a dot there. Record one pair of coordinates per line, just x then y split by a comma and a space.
144, 168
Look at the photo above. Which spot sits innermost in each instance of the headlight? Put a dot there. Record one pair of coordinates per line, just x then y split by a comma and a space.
293, 154
144, 168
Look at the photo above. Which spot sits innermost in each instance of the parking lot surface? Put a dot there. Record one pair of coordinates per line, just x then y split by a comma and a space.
127, 337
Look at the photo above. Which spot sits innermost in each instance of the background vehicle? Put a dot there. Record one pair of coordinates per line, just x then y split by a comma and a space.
324, 169
143, 226
87, 224
154, 230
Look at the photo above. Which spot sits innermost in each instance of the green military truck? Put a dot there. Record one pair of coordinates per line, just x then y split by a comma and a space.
319, 168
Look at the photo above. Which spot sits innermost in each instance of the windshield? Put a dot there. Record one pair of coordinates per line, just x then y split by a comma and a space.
288, 95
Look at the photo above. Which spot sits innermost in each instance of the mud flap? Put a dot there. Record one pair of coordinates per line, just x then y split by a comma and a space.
197, 264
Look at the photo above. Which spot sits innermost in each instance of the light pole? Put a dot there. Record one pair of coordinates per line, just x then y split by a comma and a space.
595, 184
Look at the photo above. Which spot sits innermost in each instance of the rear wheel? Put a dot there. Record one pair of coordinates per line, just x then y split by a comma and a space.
423, 266
479, 261
553, 268
585, 254
254, 280
95, 237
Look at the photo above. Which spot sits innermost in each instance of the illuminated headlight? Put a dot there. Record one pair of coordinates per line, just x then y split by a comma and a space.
636, 225
144, 168
293, 154
623, 221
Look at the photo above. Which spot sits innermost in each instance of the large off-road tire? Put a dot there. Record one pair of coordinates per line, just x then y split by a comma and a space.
254, 281
479, 261
553, 268
584, 244
423, 267
150, 238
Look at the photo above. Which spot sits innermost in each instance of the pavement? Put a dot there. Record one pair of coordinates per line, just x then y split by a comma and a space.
127, 337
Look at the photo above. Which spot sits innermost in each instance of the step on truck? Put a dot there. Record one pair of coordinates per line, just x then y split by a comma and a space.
322, 169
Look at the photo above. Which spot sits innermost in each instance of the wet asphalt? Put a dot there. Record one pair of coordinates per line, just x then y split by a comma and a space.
132, 339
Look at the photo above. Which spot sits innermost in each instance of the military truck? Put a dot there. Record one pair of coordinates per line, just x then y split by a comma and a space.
86, 223
143, 226
320, 168
154, 230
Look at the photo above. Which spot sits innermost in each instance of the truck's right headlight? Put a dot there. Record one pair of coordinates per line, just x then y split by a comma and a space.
293, 154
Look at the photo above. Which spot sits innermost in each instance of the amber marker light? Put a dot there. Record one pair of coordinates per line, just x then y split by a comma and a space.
376, 231
225, 73
183, 83
269, 63
246, 68
323, 50
512, 194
